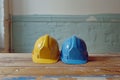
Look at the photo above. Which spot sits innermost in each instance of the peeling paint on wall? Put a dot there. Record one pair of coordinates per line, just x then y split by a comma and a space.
57, 78
91, 18
20, 78
100, 32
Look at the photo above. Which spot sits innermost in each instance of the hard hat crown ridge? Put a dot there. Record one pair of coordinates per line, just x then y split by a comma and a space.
74, 51
45, 50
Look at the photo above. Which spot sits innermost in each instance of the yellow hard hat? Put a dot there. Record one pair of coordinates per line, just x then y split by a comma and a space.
45, 50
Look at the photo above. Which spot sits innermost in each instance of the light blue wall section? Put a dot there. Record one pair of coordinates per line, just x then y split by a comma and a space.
100, 32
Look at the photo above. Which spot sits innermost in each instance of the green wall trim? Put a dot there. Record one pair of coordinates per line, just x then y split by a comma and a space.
67, 18
100, 31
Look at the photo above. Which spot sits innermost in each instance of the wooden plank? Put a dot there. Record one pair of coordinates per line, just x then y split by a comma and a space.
81, 71
94, 61
21, 64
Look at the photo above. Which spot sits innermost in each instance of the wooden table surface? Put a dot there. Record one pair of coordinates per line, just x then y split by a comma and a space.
19, 66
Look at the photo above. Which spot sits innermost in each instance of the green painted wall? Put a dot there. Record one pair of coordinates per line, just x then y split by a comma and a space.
100, 32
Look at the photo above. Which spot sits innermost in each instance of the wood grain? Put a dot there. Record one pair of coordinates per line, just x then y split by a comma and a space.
99, 65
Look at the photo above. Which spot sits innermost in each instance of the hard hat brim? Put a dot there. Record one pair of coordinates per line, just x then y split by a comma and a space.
69, 61
44, 61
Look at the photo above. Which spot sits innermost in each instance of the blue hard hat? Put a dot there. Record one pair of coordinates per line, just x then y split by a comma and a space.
74, 51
